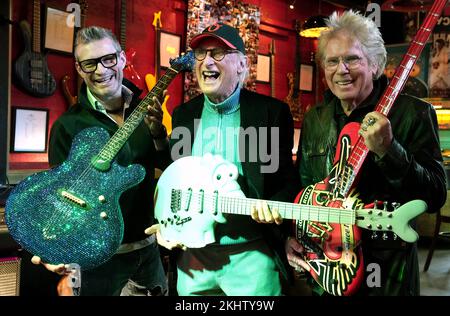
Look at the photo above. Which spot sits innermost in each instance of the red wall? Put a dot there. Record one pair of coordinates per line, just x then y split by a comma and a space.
277, 22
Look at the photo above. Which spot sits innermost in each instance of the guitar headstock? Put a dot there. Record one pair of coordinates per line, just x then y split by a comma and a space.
396, 221
183, 63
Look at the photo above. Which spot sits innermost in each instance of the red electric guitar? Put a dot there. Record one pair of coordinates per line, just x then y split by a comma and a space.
335, 253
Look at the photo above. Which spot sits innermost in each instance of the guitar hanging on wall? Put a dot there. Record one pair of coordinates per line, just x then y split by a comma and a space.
151, 79
31, 70
129, 72
72, 99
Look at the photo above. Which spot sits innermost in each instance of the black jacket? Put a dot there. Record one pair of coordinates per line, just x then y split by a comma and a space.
411, 169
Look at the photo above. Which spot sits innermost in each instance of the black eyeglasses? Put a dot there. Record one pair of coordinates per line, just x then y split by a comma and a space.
90, 65
216, 53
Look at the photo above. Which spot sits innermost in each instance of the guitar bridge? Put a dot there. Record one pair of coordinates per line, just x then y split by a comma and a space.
72, 198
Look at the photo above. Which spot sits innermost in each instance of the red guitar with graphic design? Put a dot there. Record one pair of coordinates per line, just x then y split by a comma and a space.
334, 250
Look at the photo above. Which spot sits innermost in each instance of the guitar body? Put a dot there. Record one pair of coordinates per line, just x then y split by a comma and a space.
334, 251
31, 69
189, 219
59, 228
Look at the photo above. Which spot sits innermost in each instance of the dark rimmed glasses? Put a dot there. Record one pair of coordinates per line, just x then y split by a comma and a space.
351, 62
90, 65
216, 53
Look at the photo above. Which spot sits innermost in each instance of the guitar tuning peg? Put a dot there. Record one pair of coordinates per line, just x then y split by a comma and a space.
395, 237
385, 236
385, 205
395, 205
374, 235
375, 203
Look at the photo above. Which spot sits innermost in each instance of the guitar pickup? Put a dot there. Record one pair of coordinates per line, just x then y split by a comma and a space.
72, 198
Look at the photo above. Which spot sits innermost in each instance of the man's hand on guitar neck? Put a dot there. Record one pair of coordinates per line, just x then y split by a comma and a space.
377, 133
61, 269
154, 229
262, 213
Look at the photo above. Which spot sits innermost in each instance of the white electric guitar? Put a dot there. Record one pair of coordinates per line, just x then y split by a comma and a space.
193, 193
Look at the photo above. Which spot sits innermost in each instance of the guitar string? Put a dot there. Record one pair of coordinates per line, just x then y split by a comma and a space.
230, 202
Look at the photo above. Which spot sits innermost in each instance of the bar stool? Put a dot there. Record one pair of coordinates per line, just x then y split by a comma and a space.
437, 233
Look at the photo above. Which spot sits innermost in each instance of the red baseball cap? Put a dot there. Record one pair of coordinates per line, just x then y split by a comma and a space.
223, 32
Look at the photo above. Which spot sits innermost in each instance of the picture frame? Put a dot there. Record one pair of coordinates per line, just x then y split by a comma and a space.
169, 47
306, 78
59, 33
263, 68
29, 130
417, 82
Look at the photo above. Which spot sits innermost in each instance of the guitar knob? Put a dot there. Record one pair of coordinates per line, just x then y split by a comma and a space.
103, 215
102, 199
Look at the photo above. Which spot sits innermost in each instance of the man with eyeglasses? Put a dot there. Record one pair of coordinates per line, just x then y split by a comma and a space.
105, 100
244, 259
404, 161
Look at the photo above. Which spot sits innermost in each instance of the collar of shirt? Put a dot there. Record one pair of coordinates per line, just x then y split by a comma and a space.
98, 106
228, 106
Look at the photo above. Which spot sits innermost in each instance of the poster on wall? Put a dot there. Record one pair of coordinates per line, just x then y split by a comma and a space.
416, 85
244, 17
439, 78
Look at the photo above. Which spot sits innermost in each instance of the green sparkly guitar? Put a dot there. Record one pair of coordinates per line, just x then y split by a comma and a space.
71, 214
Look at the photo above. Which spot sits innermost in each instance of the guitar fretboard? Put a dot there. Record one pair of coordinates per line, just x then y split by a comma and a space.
119, 138
37, 26
360, 150
123, 24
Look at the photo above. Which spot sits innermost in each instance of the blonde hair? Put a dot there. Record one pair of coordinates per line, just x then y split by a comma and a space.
359, 28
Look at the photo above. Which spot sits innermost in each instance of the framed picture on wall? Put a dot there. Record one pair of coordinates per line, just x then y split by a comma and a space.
169, 47
59, 30
29, 130
306, 77
263, 68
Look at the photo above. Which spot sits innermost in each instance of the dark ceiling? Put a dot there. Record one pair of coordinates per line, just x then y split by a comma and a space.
386, 5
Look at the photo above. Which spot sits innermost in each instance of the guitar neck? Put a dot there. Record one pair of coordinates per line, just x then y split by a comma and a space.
360, 151
123, 23
272, 68
243, 206
37, 26
115, 143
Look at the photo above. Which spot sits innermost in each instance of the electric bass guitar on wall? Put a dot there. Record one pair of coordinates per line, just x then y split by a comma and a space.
129, 72
151, 79
31, 70
71, 214
334, 250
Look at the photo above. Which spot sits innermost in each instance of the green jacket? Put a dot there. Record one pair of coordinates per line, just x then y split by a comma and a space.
411, 169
